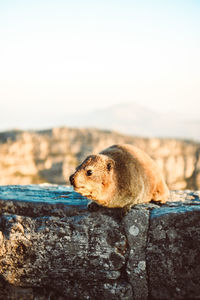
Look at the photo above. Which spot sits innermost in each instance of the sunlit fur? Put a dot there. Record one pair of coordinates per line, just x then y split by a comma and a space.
133, 177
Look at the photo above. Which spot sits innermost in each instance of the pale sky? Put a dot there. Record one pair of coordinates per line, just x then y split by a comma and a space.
62, 56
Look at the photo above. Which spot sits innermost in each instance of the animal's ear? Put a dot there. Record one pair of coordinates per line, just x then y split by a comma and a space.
110, 164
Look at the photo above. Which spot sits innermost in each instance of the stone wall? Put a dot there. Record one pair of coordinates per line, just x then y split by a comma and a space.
52, 247
52, 155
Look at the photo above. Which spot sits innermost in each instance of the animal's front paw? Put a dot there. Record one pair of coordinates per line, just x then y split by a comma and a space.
93, 206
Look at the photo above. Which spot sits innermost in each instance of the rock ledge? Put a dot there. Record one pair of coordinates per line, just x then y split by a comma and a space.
52, 247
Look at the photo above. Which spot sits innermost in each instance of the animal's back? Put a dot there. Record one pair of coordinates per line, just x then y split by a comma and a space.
138, 175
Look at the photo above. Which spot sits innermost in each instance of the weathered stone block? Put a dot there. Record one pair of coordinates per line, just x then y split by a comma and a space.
136, 226
173, 253
81, 254
87, 251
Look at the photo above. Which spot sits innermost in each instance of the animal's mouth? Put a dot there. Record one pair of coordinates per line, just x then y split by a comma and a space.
81, 190
79, 187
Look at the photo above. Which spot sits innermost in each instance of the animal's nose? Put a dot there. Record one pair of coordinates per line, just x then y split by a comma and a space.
71, 179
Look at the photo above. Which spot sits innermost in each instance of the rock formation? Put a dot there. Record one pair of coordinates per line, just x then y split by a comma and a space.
51, 155
52, 247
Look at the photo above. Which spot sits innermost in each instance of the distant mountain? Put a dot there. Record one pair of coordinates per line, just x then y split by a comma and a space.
127, 118
137, 120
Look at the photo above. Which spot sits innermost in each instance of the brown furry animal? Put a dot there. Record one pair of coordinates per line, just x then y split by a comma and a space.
120, 176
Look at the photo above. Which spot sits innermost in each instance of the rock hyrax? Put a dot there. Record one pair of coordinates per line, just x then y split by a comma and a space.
120, 176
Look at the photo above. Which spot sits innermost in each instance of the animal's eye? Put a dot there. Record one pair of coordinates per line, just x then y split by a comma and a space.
109, 166
89, 173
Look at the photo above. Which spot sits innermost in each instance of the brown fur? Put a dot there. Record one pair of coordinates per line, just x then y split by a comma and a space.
122, 176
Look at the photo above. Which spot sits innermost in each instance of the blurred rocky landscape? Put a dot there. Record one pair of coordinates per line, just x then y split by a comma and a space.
28, 157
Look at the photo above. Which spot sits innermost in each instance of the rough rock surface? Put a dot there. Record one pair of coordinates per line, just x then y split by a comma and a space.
136, 224
173, 253
52, 247
28, 157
